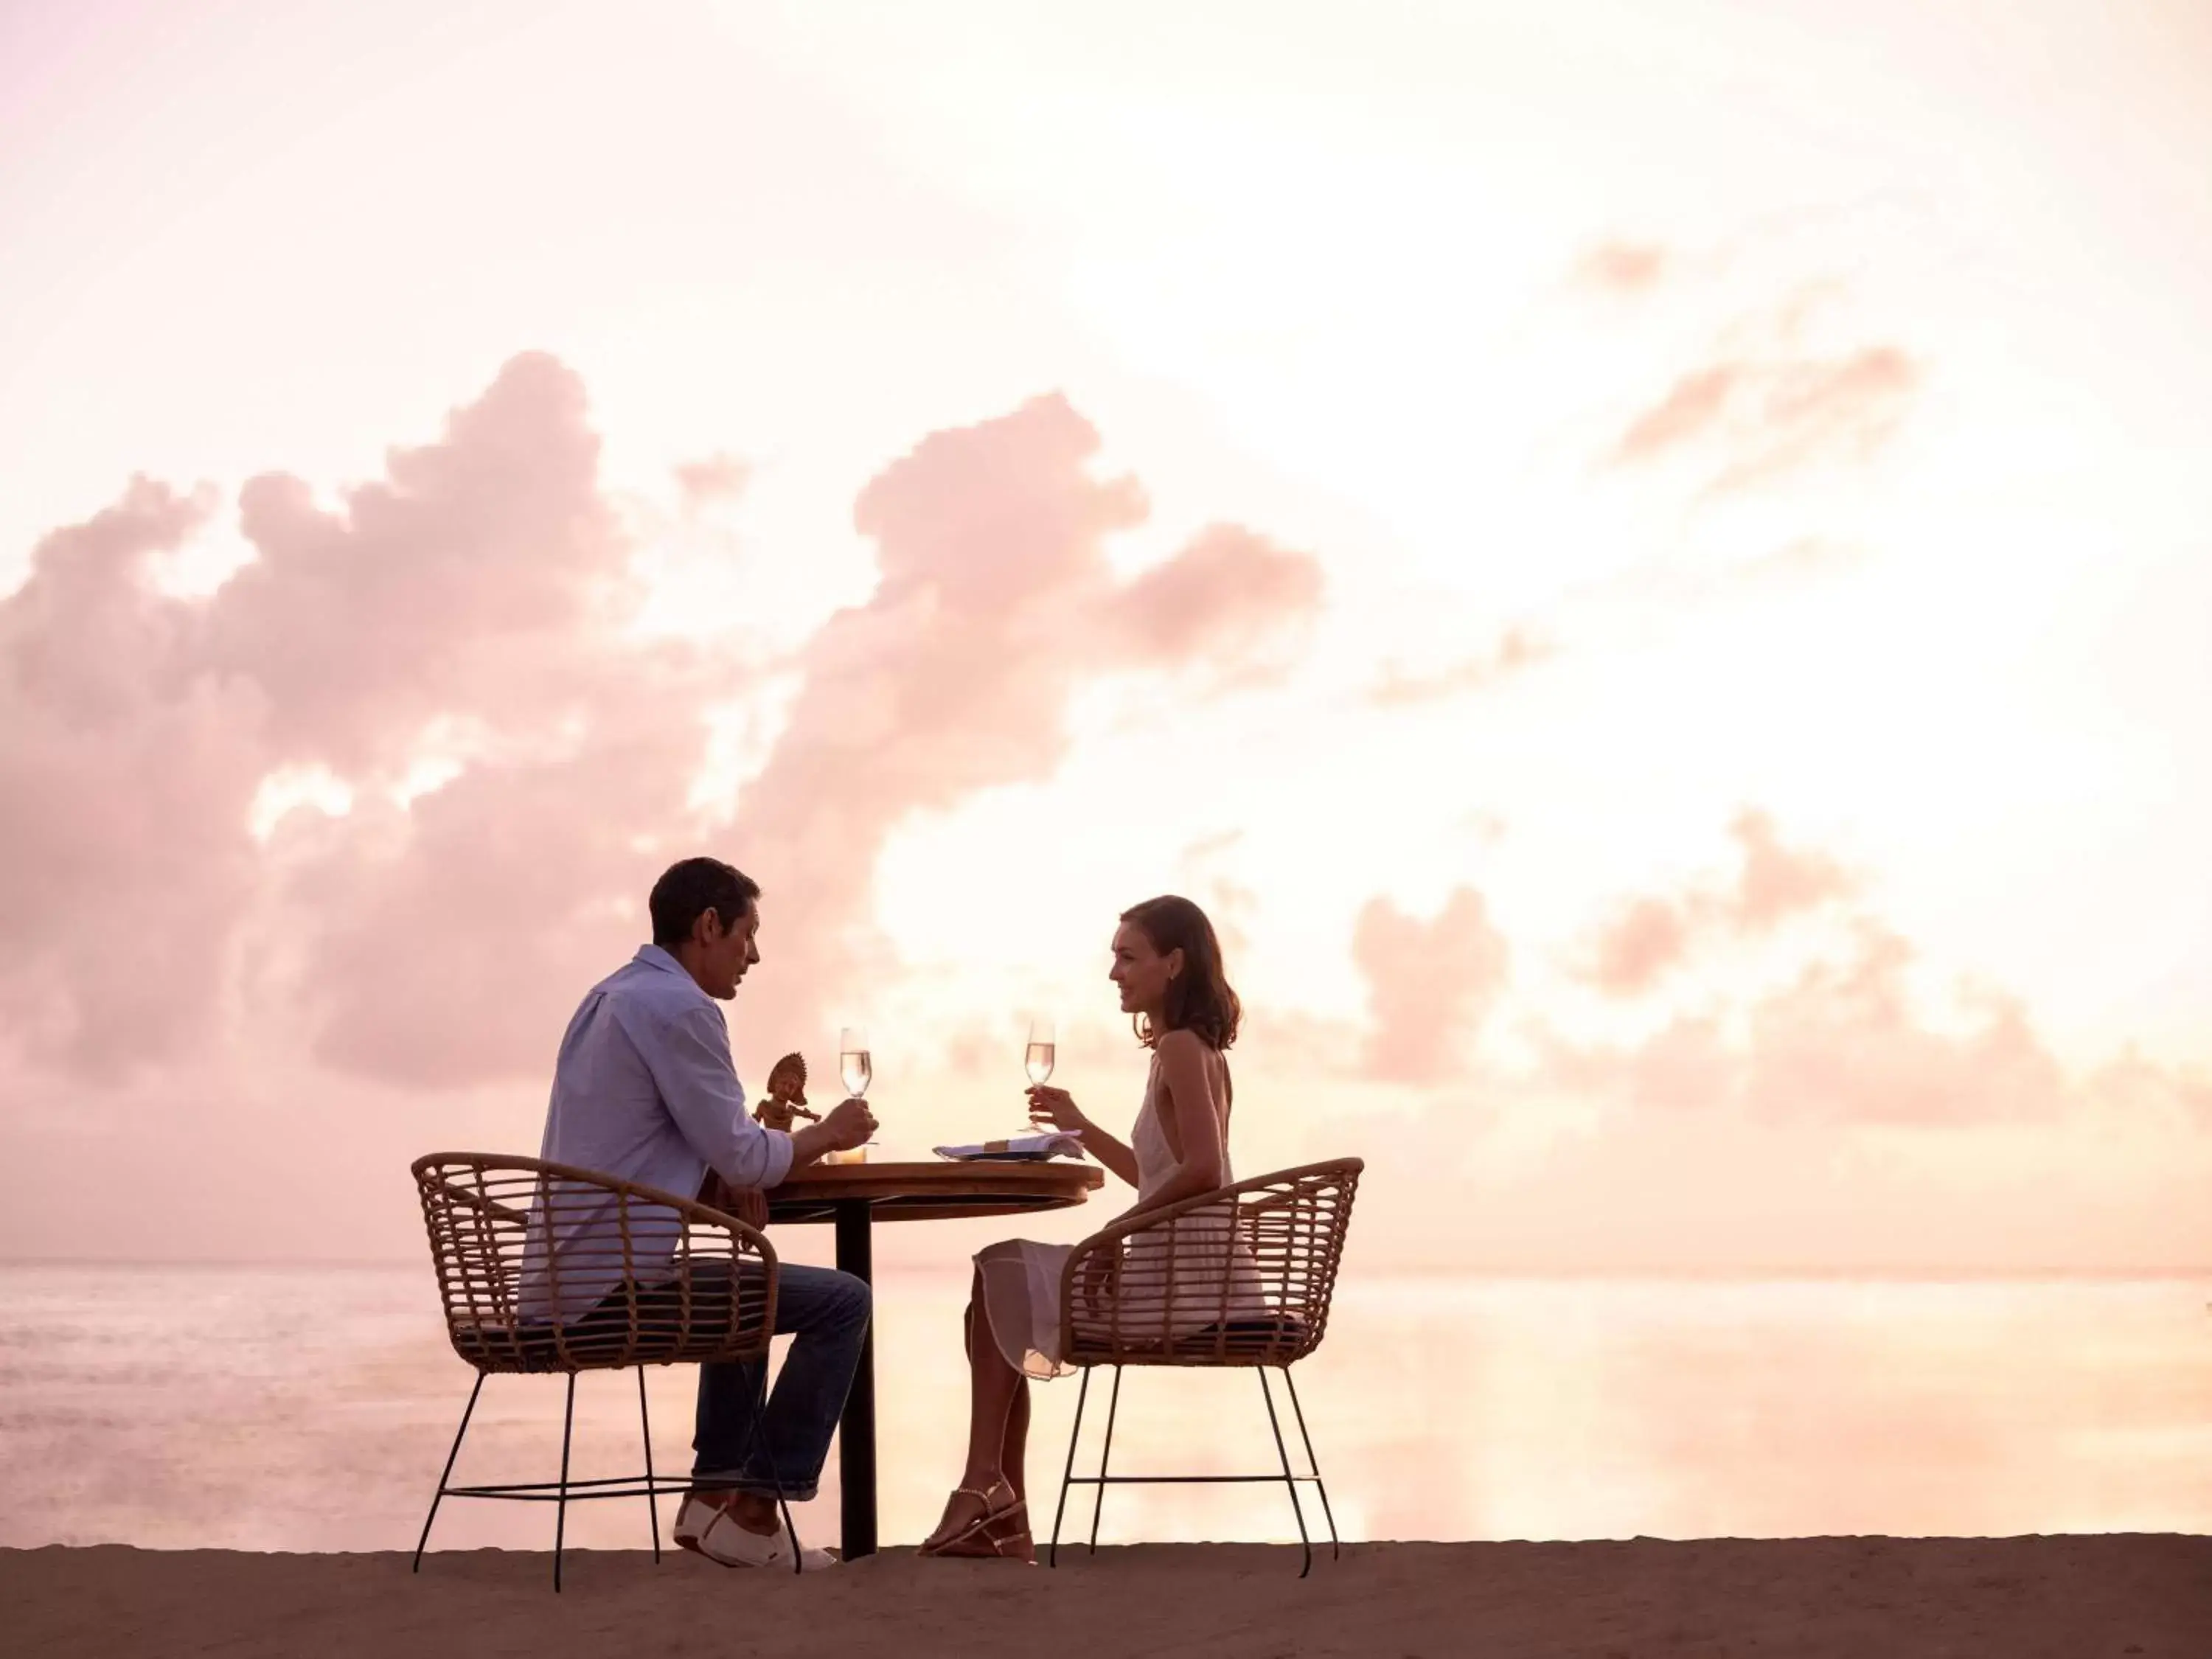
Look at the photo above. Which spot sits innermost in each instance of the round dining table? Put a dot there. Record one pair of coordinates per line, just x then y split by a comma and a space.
852, 1198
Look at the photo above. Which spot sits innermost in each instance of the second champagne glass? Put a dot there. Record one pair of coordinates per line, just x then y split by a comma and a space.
1037, 1057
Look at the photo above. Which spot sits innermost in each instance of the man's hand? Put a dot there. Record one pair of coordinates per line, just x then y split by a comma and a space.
849, 1124
750, 1208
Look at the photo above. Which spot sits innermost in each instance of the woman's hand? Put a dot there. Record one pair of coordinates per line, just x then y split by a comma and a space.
1056, 1108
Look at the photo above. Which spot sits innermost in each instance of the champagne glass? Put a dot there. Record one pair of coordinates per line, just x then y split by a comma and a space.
858, 1071
1037, 1057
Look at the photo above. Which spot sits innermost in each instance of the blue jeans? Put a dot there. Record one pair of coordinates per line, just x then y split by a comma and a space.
826, 1314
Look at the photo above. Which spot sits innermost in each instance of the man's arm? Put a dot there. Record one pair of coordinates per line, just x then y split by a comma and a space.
690, 1060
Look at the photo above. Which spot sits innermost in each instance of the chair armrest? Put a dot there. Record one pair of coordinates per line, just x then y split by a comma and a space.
481, 1204
1102, 1249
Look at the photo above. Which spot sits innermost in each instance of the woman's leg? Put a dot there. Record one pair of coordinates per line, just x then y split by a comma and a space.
1015, 1442
1016, 1438
993, 1385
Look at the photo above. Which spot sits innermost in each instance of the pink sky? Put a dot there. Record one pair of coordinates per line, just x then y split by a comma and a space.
1649, 565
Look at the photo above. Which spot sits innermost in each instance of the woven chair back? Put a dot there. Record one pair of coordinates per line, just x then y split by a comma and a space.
1243, 1276
546, 1267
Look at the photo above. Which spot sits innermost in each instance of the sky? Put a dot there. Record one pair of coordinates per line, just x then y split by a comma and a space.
1648, 564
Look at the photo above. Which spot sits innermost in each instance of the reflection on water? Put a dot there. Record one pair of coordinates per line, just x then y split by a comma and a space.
310, 1410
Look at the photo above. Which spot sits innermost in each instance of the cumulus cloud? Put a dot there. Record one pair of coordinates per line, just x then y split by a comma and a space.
124, 780
1650, 934
472, 603
1841, 1042
448, 648
466, 583
996, 602
1644, 940
1222, 599
1774, 881
1844, 1041
1430, 984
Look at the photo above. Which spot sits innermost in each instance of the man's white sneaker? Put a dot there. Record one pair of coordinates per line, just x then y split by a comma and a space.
713, 1532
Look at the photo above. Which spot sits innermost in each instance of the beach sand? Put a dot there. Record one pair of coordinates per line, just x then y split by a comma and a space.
1863, 1598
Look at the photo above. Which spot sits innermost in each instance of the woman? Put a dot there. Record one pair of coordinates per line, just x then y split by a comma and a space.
1167, 963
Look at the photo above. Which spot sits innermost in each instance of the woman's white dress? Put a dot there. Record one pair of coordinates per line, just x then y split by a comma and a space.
1214, 1277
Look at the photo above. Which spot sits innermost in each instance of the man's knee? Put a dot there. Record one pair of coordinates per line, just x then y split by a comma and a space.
846, 1300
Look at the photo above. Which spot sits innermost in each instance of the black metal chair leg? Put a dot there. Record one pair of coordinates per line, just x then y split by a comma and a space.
447, 1473
1052, 1554
652, 1499
1335, 1548
1290, 1480
561, 1505
1113, 1404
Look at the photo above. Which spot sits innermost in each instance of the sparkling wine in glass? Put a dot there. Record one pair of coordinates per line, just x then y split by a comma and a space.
857, 1071
1036, 1059
853, 1060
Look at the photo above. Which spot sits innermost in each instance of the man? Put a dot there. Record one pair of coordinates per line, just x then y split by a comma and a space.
644, 1090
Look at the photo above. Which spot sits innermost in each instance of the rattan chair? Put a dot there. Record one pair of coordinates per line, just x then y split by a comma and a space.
544, 1268
1172, 1289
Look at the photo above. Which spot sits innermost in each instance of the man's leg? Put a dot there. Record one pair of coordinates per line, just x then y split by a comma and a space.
723, 1429
826, 1314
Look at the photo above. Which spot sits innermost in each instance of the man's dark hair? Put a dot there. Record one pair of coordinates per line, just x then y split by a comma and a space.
690, 887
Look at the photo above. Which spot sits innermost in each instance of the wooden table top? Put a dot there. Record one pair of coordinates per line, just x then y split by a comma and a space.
938, 1190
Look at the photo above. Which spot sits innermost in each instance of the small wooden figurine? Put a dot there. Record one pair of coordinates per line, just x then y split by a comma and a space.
786, 1095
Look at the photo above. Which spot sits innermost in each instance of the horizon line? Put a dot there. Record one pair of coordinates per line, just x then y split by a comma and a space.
1425, 1270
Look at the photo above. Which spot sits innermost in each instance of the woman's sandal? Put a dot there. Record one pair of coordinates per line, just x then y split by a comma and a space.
982, 1536
1014, 1543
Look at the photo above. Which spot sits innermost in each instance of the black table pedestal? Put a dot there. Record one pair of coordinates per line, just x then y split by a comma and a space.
856, 1430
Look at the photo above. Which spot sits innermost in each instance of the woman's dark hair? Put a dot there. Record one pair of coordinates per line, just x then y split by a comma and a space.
688, 889
1199, 1000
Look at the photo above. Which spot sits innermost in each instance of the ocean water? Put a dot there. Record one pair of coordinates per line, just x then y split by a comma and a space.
310, 1409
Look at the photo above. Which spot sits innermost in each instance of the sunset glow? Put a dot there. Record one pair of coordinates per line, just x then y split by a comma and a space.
1649, 566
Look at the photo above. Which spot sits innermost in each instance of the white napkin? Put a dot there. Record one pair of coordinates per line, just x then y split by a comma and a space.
1037, 1146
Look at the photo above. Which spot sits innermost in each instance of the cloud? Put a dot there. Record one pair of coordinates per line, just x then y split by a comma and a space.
1516, 650
124, 780
1693, 406
1751, 417
1774, 881
1624, 268
1843, 1042
469, 583
1223, 598
1430, 984
1650, 934
1646, 938
996, 602
712, 479
468, 610
503, 764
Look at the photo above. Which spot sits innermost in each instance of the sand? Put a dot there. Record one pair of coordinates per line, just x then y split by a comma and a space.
1852, 1598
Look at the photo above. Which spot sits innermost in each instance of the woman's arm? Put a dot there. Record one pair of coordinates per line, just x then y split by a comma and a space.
1057, 1107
